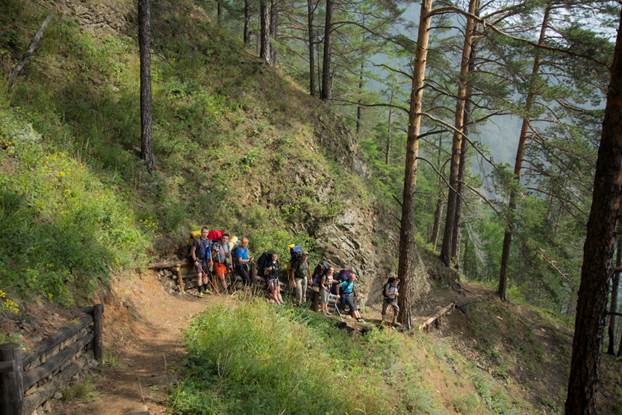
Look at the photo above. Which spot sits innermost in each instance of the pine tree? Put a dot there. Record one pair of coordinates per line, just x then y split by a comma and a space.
598, 250
144, 41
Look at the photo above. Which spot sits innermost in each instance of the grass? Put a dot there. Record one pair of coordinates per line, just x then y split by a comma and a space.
264, 359
83, 391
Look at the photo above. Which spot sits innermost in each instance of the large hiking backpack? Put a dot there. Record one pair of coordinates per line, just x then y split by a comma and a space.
343, 275
264, 262
215, 235
320, 270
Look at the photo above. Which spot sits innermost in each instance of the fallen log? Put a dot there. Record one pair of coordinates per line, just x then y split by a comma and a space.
172, 264
434, 320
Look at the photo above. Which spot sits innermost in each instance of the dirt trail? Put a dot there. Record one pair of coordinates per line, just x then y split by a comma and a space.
143, 341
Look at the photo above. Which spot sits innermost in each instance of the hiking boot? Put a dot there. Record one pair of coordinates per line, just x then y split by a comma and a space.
200, 294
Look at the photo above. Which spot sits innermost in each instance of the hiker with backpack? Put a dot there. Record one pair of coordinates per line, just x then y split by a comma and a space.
221, 256
314, 287
270, 271
390, 293
300, 278
326, 282
346, 290
242, 261
201, 253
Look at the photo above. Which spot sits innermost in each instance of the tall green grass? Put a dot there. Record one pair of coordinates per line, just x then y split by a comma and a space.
260, 359
63, 231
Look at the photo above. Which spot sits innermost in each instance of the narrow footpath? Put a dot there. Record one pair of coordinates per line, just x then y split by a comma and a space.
143, 340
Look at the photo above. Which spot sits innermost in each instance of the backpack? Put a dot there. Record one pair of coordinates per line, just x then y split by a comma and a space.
213, 235
343, 275
295, 253
320, 270
264, 262
221, 252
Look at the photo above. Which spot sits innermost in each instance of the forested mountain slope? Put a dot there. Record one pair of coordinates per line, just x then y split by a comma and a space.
238, 146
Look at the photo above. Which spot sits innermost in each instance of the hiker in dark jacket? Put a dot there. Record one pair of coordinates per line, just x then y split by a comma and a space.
300, 274
346, 290
271, 274
201, 253
390, 293
242, 261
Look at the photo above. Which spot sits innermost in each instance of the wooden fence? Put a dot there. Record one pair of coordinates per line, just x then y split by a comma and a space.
27, 381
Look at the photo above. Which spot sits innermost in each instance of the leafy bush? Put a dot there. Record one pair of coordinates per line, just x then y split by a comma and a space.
63, 230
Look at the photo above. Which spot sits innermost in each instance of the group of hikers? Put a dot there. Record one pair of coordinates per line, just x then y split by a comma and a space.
222, 260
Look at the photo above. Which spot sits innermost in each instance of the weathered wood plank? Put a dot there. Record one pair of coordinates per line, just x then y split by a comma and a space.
11, 381
32, 402
98, 343
33, 376
51, 342
440, 313
172, 264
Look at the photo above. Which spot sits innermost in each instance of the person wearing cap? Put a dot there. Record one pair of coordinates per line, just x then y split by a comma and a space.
346, 290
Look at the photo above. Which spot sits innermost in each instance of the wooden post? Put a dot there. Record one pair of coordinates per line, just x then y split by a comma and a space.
180, 279
98, 315
11, 379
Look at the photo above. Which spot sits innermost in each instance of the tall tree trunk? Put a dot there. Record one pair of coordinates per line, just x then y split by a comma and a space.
219, 12
531, 96
387, 148
326, 74
264, 24
598, 250
438, 212
452, 196
359, 109
311, 33
465, 256
247, 24
614, 300
319, 65
455, 236
274, 15
406, 247
144, 44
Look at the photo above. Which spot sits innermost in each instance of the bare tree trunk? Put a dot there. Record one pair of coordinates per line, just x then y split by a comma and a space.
247, 24
264, 24
407, 240
452, 197
438, 212
144, 42
31, 50
531, 95
274, 15
311, 33
319, 65
455, 237
598, 250
219, 12
326, 74
359, 109
387, 148
614, 300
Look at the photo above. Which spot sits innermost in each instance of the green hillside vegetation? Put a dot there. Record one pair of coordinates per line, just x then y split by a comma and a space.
228, 132
267, 360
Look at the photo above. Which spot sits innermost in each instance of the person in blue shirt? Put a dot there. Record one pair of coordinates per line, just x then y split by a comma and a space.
242, 261
346, 289
201, 253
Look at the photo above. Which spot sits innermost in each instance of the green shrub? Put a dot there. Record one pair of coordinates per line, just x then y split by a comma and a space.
63, 230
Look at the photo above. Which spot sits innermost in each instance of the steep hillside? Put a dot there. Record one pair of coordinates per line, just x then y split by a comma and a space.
238, 146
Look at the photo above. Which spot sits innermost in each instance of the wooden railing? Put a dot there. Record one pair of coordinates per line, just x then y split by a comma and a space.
27, 381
